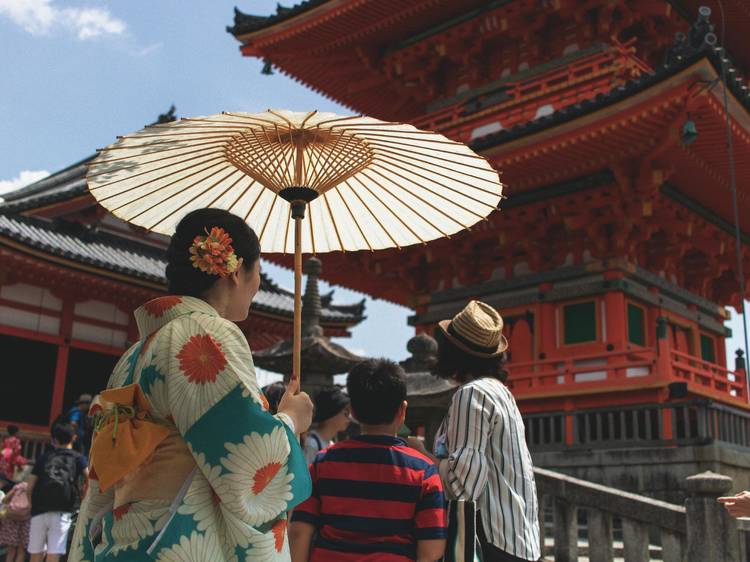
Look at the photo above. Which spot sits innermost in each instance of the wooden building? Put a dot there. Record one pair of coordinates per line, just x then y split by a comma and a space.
614, 256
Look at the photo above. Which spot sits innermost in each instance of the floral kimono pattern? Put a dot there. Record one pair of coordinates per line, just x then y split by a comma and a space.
196, 370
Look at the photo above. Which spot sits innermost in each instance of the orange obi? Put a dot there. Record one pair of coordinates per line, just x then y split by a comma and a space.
132, 450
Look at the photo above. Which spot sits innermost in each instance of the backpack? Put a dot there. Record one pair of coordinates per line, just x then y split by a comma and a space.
56, 488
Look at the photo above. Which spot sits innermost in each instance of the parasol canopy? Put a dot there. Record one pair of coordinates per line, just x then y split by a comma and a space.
359, 183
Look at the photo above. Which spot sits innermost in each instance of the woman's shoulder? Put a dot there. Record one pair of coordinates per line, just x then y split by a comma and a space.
485, 386
201, 322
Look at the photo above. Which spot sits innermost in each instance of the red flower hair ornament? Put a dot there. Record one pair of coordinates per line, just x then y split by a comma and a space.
213, 253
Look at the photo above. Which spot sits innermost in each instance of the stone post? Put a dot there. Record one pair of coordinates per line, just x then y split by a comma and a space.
566, 530
712, 534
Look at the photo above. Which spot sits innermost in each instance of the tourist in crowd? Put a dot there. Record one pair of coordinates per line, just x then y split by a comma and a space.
77, 416
55, 489
14, 525
737, 505
480, 446
273, 393
374, 498
189, 465
332, 416
11, 459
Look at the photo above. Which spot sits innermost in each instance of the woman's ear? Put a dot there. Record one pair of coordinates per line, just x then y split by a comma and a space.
235, 275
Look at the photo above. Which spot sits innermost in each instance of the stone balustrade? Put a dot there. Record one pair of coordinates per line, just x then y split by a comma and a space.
699, 531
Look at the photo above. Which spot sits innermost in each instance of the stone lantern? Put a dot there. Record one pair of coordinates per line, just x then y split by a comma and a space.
428, 395
321, 358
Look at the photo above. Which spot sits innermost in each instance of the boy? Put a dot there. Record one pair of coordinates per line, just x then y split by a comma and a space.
374, 498
54, 487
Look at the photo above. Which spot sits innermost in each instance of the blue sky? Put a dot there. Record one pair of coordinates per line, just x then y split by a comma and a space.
77, 73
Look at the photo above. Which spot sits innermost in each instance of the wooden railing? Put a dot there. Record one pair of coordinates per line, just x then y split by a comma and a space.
714, 378
582, 371
565, 85
623, 369
693, 422
608, 522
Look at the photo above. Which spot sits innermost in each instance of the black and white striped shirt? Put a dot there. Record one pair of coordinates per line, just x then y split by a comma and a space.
490, 464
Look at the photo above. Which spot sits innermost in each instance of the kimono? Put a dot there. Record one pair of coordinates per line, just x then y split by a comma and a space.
11, 458
218, 487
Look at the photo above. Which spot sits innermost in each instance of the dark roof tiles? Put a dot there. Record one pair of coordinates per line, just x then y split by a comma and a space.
246, 23
630, 88
77, 243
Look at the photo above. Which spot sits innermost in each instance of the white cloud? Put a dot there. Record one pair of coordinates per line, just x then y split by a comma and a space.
92, 22
40, 17
22, 179
143, 51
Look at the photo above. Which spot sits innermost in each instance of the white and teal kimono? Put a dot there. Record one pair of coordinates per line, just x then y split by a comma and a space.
196, 370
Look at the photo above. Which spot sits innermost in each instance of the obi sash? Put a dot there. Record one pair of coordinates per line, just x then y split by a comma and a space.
141, 457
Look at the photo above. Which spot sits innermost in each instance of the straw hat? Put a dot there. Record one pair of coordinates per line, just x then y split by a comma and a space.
477, 330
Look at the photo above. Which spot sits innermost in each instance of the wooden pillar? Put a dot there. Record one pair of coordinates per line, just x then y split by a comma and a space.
545, 325
61, 367
663, 349
615, 313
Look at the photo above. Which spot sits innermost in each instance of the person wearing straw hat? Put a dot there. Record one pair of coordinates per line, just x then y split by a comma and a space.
480, 447
187, 463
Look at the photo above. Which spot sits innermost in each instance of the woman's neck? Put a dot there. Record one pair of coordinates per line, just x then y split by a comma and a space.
326, 431
218, 300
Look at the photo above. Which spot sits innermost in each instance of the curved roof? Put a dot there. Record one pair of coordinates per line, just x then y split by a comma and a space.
247, 23
91, 246
714, 55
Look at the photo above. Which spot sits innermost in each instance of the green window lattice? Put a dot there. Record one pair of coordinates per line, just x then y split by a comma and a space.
580, 322
636, 325
708, 349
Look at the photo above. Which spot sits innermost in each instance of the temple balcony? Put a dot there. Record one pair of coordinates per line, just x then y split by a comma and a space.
535, 92
635, 369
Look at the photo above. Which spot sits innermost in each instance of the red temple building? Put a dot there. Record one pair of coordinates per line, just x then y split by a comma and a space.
71, 275
614, 255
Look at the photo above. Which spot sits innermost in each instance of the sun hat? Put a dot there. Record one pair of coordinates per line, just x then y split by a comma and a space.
477, 330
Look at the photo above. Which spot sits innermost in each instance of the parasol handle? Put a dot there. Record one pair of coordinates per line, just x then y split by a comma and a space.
298, 213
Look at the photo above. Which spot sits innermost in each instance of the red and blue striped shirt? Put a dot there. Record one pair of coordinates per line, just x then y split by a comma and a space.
373, 498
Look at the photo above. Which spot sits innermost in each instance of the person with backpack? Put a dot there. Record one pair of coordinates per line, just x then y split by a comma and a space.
55, 491
14, 525
77, 416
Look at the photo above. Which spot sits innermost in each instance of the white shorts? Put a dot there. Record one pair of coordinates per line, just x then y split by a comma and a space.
49, 533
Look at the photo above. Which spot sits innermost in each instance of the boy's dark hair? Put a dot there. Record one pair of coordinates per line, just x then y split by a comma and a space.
63, 433
376, 387
273, 393
454, 363
13, 430
182, 277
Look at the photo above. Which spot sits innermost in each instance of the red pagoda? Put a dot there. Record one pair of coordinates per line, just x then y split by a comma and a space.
614, 255
71, 275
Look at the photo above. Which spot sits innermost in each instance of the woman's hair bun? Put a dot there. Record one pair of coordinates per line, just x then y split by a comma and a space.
185, 279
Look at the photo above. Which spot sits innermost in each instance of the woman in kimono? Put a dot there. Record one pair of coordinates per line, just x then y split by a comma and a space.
187, 463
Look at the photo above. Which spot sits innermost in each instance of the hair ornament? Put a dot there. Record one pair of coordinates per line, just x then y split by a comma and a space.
213, 253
